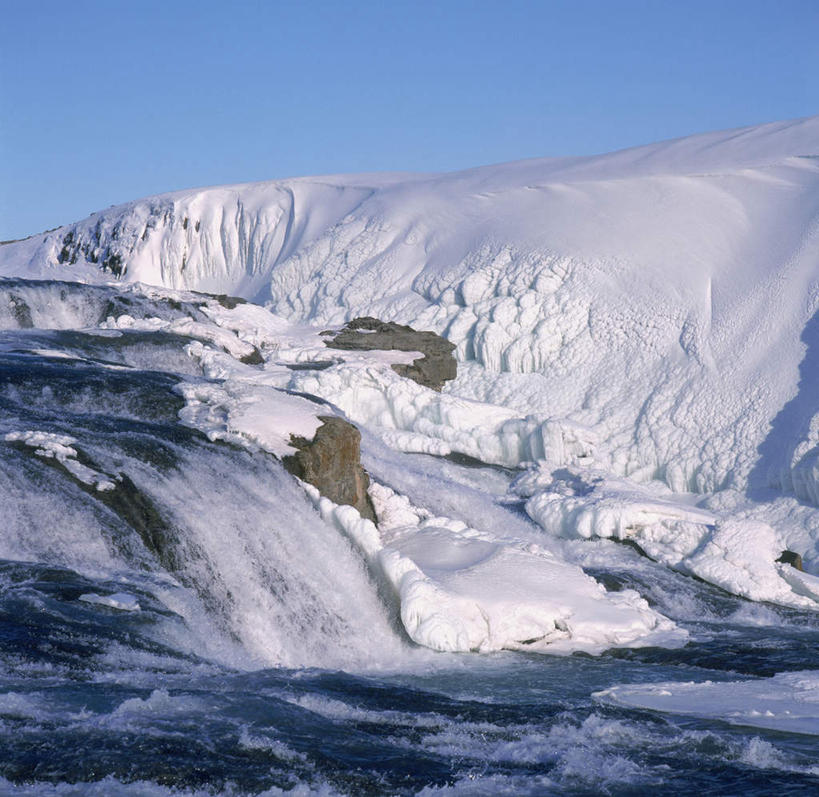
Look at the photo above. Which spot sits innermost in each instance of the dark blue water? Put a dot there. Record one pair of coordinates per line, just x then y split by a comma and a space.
181, 696
88, 693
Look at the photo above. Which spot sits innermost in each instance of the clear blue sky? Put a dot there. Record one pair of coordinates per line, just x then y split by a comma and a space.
102, 102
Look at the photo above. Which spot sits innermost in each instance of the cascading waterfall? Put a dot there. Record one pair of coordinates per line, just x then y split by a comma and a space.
230, 528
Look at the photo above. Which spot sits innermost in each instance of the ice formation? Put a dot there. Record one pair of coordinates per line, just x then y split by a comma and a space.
462, 590
731, 550
787, 702
61, 449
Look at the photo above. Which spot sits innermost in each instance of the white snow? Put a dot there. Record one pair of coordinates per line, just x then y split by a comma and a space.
457, 589
222, 338
462, 590
243, 412
459, 592
729, 549
786, 702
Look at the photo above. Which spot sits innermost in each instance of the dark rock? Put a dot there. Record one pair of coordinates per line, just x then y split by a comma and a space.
254, 358
113, 262
791, 558
65, 252
127, 502
369, 334
312, 365
627, 541
139, 512
331, 463
228, 302
309, 396
21, 311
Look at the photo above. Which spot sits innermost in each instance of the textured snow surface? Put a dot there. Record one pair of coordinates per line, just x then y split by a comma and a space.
462, 590
787, 702
662, 296
729, 549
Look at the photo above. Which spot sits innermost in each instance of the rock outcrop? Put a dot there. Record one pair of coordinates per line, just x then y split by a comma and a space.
791, 558
369, 334
331, 460
331, 463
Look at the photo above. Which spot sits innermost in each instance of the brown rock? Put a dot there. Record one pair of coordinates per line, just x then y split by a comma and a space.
331, 462
369, 334
791, 558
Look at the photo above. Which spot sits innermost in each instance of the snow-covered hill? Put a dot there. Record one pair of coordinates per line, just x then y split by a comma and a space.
638, 362
661, 297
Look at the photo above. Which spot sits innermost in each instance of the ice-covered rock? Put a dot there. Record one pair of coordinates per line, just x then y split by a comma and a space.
436, 366
62, 449
459, 592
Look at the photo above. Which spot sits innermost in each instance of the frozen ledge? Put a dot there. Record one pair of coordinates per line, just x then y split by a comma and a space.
458, 591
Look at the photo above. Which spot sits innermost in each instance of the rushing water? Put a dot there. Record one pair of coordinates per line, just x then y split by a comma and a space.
234, 572
91, 694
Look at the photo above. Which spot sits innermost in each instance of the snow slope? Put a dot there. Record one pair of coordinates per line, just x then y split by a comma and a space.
645, 319
662, 295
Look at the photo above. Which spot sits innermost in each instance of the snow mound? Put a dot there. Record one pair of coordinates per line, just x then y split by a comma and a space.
460, 590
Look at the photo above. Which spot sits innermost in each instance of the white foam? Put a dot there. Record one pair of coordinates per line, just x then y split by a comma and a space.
123, 601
